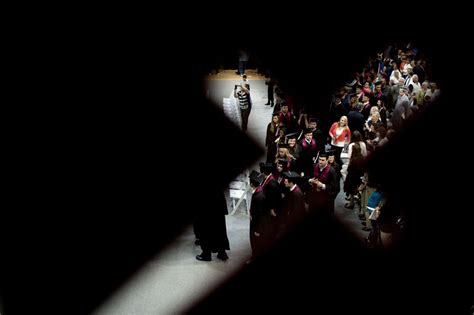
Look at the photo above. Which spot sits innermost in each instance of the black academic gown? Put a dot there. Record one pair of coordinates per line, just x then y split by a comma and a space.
306, 162
270, 144
319, 137
293, 208
259, 223
210, 222
272, 201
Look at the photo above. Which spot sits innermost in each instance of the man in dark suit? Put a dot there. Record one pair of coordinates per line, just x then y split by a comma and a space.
270, 84
356, 118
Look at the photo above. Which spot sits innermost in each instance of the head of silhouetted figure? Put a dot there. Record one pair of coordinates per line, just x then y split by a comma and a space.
381, 132
356, 136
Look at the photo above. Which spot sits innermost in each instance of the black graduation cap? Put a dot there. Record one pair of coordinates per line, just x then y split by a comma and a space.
275, 114
308, 130
292, 176
330, 152
266, 168
256, 178
284, 163
282, 145
294, 135
314, 119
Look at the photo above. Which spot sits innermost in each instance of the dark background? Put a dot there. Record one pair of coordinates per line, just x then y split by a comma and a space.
106, 152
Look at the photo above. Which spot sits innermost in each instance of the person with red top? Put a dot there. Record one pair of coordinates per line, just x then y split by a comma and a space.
340, 136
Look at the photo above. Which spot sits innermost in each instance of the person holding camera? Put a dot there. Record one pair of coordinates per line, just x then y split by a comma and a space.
242, 93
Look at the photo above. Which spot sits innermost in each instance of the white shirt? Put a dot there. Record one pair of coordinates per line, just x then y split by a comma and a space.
363, 149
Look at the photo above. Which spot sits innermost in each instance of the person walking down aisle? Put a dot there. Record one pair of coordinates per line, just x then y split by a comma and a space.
210, 221
242, 94
243, 60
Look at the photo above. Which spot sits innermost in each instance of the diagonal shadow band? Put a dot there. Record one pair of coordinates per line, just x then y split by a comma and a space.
112, 167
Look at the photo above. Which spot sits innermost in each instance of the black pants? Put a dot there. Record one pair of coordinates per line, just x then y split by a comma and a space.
337, 154
270, 97
245, 113
374, 236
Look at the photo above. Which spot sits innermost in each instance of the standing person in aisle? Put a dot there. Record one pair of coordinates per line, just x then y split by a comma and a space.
324, 186
270, 84
242, 94
210, 221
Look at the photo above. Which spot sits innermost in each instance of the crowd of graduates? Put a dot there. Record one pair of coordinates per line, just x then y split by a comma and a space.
306, 168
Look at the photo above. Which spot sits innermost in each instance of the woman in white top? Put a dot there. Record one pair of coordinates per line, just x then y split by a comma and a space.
357, 138
395, 76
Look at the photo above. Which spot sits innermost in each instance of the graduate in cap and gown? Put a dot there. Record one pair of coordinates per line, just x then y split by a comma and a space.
324, 186
309, 151
293, 208
210, 222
